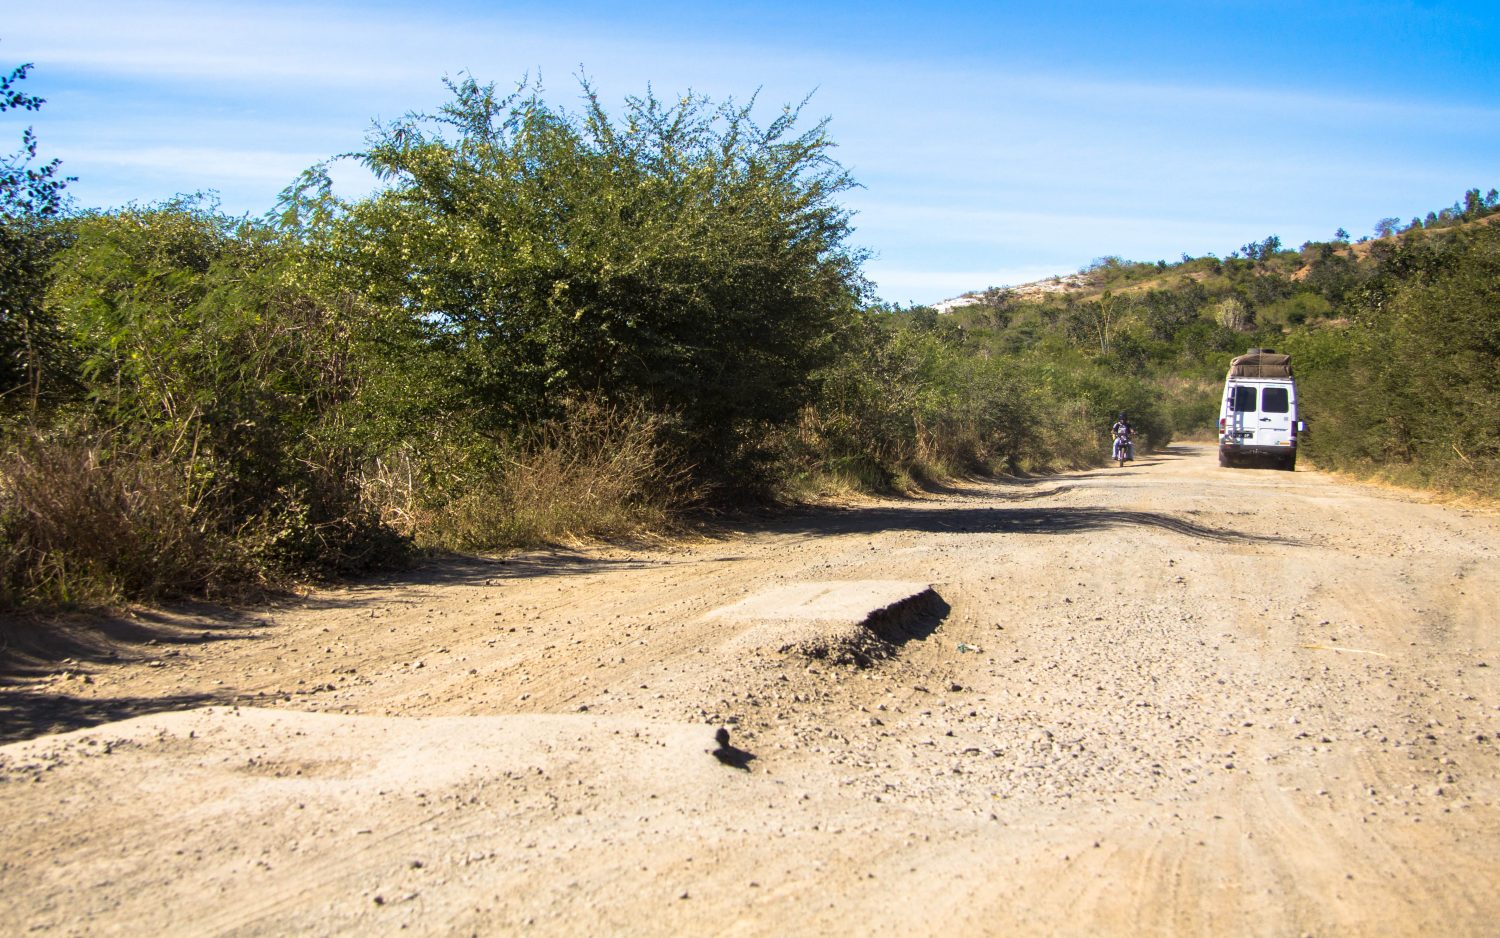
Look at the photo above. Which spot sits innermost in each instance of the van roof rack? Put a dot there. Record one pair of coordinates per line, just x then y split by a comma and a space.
1261, 363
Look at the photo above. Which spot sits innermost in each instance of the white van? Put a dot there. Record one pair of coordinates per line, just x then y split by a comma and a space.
1258, 422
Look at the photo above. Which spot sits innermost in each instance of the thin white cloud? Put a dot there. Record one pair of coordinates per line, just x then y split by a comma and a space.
268, 166
225, 43
1208, 99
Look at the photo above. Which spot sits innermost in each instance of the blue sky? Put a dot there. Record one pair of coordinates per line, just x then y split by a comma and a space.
995, 142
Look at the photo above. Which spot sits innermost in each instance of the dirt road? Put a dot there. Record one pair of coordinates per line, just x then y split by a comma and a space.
1170, 698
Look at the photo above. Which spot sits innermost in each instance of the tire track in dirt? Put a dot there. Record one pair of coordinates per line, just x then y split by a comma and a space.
1169, 698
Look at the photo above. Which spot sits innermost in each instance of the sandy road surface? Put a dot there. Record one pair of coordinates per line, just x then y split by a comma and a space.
1189, 700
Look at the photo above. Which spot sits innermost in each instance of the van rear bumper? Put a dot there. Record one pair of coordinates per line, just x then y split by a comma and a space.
1236, 449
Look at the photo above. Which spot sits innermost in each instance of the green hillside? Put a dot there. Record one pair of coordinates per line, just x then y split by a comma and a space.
1396, 339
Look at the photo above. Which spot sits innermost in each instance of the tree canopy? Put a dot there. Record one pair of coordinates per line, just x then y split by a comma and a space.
679, 255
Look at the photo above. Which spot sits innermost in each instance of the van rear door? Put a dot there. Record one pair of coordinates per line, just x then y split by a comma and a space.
1273, 422
1243, 409
1260, 414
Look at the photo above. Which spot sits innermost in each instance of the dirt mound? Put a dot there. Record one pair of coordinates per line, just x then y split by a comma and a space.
847, 622
369, 821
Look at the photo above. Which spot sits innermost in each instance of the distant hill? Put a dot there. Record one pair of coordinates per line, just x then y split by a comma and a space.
1141, 277
1036, 289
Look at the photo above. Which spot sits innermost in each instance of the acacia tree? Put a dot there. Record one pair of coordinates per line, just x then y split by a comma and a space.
679, 255
1232, 313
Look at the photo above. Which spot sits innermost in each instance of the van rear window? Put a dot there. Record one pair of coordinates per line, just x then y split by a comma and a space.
1273, 400
1244, 399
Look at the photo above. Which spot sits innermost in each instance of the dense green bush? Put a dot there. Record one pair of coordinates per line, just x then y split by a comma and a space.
195, 343
678, 257
525, 273
31, 197
201, 446
1407, 385
33, 350
918, 397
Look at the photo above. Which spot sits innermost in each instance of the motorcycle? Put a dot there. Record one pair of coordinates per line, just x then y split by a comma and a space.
1124, 449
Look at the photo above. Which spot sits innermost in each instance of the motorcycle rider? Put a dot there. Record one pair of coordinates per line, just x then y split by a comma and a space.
1122, 432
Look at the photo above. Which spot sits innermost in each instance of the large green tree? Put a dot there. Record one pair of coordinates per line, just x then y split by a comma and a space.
678, 255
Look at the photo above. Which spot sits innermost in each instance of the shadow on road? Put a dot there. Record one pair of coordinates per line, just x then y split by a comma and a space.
29, 713
35, 648
915, 619
31, 645
990, 520
470, 570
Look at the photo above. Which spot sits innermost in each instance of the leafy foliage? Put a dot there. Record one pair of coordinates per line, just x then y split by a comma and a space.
523, 269
30, 195
918, 396
679, 257
196, 344
551, 324
27, 190
1407, 383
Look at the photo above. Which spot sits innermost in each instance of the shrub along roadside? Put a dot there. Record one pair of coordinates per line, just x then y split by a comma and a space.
91, 521
82, 526
559, 323
908, 403
678, 257
549, 326
602, 471
1405, 388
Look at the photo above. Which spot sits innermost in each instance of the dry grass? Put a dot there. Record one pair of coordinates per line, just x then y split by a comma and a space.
600, 473
1469, 487
81, 526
